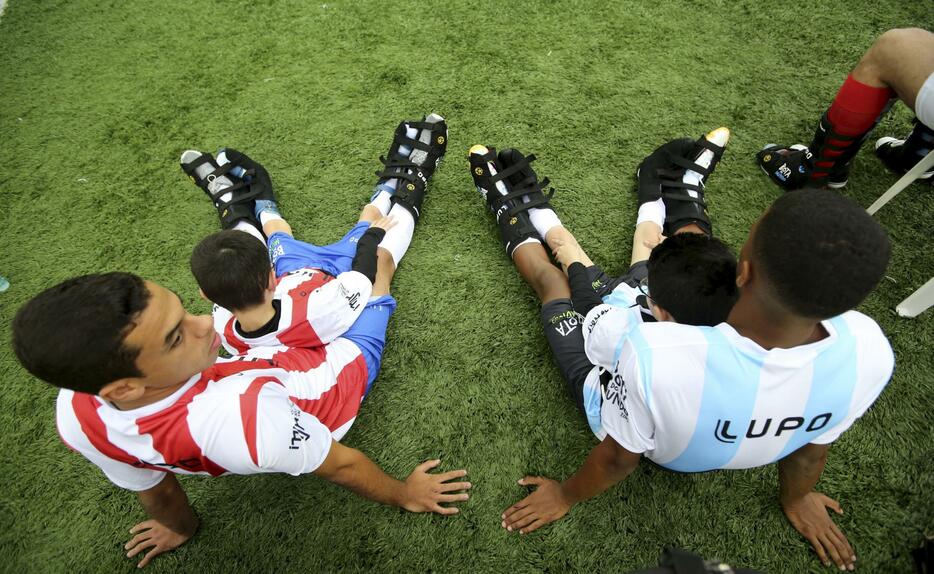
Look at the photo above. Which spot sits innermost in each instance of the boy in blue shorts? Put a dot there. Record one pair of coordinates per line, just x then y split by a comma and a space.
282, 292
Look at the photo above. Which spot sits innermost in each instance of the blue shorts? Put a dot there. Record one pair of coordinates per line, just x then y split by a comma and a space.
369, 333
288, 254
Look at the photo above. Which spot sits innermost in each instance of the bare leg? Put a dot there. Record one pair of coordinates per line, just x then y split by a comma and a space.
901, 59
277, 226
558, 235
385, 269
536, 269
369, 213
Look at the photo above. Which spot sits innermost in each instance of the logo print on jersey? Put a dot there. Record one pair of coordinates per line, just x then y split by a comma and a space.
616, 393
756, 430
353, 299
298, 431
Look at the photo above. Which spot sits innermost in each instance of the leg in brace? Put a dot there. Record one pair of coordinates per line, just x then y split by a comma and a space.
416, 151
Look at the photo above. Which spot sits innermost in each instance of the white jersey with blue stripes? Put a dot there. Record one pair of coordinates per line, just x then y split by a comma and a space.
702, 398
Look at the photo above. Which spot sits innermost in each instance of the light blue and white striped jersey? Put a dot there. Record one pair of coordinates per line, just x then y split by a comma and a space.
624, 297
702, 398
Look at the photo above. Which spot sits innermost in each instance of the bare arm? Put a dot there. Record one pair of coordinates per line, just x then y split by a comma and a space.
420, 492
172, 520
607, 464
806, 509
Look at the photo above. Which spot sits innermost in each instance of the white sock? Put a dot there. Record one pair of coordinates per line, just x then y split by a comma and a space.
266, 216
398, 238
543, 219
382, 200
247, 227
653, 211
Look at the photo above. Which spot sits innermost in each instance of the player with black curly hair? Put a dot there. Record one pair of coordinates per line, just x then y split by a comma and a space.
791, 368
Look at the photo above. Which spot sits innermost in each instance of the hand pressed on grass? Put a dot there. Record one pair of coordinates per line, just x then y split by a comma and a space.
543, 506
425, 492
155, 535
809, 516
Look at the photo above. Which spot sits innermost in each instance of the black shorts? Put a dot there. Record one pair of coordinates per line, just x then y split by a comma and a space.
563, 328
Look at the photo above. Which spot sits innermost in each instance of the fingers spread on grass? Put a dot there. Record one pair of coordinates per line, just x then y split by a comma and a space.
454, 486
428, 465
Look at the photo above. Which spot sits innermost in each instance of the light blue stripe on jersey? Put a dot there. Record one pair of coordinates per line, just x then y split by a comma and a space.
644, 354
622, 296
724, 392
593, 401
832, 385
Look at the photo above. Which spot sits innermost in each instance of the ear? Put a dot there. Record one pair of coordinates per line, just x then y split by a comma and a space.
271, 282
203, 296
128, 389
661, 314
743, 273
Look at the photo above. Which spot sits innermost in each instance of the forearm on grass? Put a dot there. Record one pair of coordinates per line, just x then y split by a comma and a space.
167, 503
607, 464
799, 472
350, 468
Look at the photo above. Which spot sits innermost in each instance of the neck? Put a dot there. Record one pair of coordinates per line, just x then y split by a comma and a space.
256, 317
771, 328
152, 395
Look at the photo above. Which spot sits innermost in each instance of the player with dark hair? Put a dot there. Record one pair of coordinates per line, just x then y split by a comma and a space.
144, 395
790, 370
689, 260
898, 66
310, 293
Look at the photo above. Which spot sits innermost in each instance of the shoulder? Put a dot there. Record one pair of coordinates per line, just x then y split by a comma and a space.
873, 350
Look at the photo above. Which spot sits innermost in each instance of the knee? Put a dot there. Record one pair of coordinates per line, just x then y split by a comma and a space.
892, 46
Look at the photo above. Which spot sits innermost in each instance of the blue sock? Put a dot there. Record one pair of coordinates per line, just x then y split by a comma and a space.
266, 206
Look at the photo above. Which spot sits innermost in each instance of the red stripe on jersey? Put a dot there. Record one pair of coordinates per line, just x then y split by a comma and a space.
300, 332
248, 405
230, 335
299, 359
85, 407
172, 438
341, 402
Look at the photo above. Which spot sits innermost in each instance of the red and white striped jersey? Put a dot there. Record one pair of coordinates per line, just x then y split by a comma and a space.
314, 309
274, 409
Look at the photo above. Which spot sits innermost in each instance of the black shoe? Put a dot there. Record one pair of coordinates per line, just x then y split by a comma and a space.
902, 155
504, 180
239, 206
414, 170
661, 176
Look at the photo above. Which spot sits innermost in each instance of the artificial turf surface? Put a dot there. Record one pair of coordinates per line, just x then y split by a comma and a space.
98, 99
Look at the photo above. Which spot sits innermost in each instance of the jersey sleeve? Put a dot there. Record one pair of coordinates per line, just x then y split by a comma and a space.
882, 364
334, 306
605, 330
222, 318
625, 414
284, 438
120, 473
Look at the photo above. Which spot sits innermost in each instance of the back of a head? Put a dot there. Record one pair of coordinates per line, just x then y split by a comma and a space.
820, 253
232, 269
72, 335
693, 277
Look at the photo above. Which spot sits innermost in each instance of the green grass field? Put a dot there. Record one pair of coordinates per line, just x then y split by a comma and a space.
98, 99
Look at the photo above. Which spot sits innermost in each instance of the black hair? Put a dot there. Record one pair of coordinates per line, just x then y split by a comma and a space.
232, 268
693, 277
820, 252
72, 335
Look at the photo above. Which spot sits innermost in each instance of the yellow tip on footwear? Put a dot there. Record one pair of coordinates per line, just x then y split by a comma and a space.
478, 149
719, 136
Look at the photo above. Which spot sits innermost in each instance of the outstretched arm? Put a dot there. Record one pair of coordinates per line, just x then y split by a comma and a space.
806, 509
420, 492
607, 464
172, 521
